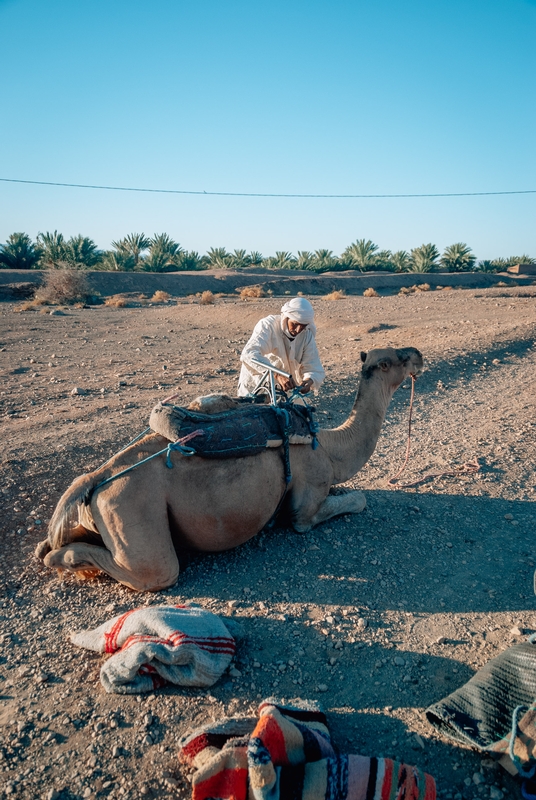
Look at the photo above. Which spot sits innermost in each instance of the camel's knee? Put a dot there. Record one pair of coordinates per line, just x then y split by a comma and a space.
66, 558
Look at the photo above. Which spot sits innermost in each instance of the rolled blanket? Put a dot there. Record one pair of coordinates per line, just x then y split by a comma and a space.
184, 645
495, 711
287, 753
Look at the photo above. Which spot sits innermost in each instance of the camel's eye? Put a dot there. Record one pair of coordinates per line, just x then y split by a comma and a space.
384, 365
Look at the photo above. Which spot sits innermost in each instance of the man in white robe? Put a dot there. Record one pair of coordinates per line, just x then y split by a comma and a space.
286, 341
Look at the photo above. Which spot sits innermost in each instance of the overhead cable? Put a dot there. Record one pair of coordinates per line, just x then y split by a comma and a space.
263, 194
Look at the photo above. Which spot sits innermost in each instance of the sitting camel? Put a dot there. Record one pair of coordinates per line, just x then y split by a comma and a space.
132, 527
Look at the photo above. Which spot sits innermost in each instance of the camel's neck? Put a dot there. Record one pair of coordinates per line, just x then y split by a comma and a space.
350, 446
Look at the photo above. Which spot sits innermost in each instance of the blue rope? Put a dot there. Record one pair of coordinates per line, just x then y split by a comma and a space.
525, 773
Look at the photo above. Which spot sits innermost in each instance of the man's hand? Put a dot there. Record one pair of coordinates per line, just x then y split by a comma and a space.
287, 384
306, 386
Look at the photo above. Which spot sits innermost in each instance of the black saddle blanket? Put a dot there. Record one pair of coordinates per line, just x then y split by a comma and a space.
243, 431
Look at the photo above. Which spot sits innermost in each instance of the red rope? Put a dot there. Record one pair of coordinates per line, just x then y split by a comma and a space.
468, 468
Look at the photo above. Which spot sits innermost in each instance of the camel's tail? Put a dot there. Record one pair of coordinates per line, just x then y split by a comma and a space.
66, 513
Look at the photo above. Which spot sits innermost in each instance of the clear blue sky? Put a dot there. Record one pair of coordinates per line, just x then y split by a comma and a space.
288, 96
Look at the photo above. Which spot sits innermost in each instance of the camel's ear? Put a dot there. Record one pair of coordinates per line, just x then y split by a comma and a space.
363, 356
385, 364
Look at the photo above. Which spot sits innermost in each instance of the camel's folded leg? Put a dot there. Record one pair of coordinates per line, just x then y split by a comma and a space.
80, 557
352, 502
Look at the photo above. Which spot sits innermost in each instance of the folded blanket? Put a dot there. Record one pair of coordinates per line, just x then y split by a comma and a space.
180, 644
287, 754
496, 710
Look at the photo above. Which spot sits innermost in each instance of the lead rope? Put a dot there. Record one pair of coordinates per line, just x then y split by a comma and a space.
468, 468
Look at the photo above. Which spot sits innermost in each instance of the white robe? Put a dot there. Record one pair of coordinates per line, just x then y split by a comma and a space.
270, 344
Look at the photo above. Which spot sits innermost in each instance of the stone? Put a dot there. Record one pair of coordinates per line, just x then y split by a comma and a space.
235, 673
441, 640
509, 516
399, 661
52, 794
516, 631
495, 793
116, 751
362, 623
78, 391
478, 778
322, 687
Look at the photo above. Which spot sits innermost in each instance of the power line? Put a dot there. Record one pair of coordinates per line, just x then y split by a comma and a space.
263, 194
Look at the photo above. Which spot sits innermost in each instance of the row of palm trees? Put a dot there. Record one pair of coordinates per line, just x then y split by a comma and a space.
160, 253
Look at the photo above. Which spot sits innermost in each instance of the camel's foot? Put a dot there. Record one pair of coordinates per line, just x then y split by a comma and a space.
42, 549
352, 502
86, 560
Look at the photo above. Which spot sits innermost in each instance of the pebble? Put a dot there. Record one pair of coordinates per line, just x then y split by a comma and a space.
321, 687
52, 794
116, 751
362, 623
399, 661
516, 631
235, 673
495, 793
419, 742
78, 391
478, 778
508, 516
441, 640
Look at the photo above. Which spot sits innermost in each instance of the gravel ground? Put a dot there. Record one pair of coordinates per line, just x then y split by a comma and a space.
375, 615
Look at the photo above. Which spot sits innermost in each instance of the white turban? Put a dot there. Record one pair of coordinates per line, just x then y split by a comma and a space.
299, 310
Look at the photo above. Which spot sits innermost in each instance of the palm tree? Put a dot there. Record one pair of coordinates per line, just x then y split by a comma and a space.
255, 258
305, 260
423, 258
132, 248
192, 261
218, 258
283, 260
458, 258
82, 252
164, 254
324, 260
400, 261
19, 252
53, 249
361, 254
238, 259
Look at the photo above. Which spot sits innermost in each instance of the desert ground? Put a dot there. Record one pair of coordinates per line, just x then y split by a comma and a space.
375, 616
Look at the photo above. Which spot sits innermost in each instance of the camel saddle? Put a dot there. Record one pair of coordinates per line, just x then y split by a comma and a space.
242, 431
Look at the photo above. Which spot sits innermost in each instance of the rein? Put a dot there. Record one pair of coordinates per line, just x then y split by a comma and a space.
468, 468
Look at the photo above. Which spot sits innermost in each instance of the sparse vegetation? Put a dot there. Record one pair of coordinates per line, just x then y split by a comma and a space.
207, 298
160, 297
338, 294
248, 292
370, 292
63, 287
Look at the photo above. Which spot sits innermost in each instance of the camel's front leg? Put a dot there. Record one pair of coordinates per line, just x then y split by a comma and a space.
83, 558
333, 505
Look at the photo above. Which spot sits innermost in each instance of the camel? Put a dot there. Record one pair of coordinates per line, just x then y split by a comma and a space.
132, 528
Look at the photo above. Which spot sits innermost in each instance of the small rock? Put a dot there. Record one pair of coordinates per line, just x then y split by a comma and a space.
441, 640
362, 623
516, 631
235, 673
321, 687
418, 742
171, 782
232, 603
508, 516
78, 391
495, 793
399, 661
116, 751
52, 794
478, 778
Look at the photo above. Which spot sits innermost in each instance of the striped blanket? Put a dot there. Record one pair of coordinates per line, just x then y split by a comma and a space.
150, 646
287, 754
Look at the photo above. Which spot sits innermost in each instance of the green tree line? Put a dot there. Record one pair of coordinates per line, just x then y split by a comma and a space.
160, 253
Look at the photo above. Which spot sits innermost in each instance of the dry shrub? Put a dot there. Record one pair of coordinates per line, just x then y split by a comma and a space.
250, 291
423, 287
404, 290
63, 286
447, 288
207, 298
160, 297
338, 294
501, 283
28, 306
370, 292
116, 301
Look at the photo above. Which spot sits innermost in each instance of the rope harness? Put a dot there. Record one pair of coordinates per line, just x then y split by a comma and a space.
468, 468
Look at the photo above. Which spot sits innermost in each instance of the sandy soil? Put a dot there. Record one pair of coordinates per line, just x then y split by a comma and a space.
375, 615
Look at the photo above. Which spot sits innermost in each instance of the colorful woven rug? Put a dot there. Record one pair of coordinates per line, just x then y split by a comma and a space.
287, 754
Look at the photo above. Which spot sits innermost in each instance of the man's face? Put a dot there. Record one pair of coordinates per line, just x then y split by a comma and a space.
294, 328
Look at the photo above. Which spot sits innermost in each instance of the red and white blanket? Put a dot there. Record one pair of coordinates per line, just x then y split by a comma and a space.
150, 646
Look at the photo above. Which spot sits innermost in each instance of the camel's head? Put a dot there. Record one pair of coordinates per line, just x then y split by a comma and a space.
394, 365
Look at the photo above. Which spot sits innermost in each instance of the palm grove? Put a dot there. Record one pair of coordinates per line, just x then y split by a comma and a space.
160, 253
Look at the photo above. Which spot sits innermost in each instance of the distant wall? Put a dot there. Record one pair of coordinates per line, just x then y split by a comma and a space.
181, 284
